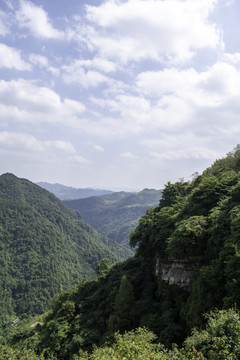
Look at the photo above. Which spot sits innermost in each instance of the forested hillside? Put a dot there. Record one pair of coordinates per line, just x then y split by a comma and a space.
117, 214
44, 248
196, 223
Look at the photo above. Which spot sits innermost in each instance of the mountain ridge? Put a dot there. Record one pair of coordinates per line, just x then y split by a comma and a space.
117, 214
64, 192
44, 248
196, 227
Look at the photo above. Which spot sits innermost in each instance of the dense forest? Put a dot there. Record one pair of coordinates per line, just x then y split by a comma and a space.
44, 248
131, 311
116, 214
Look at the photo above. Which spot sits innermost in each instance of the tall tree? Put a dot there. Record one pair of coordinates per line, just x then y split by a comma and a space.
122, 319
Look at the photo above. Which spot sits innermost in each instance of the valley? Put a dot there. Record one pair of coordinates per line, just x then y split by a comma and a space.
184, 274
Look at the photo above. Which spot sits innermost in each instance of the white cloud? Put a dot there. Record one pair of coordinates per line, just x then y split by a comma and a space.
42, 62
129, 155
208, 88
39, 60
183, 146
99, 148
22, 142
96, 63
86, 78
25, 95
64, 146
206, 102
132, 113
157, 29
22, 100
78, 160
171, 101
4, 30
36, 20
233, 58
73, 107
10, 58
180, 154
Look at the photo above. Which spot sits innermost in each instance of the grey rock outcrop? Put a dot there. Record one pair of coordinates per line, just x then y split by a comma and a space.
177, 272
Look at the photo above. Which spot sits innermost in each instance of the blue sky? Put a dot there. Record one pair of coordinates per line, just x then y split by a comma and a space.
117, 93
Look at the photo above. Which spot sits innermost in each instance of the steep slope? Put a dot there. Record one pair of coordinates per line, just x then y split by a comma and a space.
67, 192
197, 224
44, 248
117, 214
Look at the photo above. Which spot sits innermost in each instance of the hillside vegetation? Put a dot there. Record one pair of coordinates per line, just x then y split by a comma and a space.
117, 214
195, 222
44, 248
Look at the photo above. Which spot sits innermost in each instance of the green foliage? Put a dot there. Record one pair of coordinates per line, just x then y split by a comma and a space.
122, 318
103, 267
172, 192
8, 353
141, 234
134, 345
187, 239
44, 248
220, 340
198, 221
116, 215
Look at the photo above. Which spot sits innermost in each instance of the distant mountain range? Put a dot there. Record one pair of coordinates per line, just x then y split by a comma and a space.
116, 214
69, 193
44, 248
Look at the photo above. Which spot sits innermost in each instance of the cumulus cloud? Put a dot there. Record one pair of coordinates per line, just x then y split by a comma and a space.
22, 142
36, 20
23, 100
86, 78
96, 63
131, 112
39, 60
43, 63
171, 100
233, 58
89, 72
206, 100
10, 58
157, 29
165, 101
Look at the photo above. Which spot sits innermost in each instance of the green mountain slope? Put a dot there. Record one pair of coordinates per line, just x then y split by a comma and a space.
117, 214
194, 231
44, 248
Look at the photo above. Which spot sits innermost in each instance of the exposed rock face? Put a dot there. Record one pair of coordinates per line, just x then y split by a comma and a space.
177, 272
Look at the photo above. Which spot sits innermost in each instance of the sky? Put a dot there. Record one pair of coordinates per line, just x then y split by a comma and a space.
117, 94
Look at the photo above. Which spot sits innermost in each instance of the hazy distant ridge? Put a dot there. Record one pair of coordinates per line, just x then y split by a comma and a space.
70, 193
117, 214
